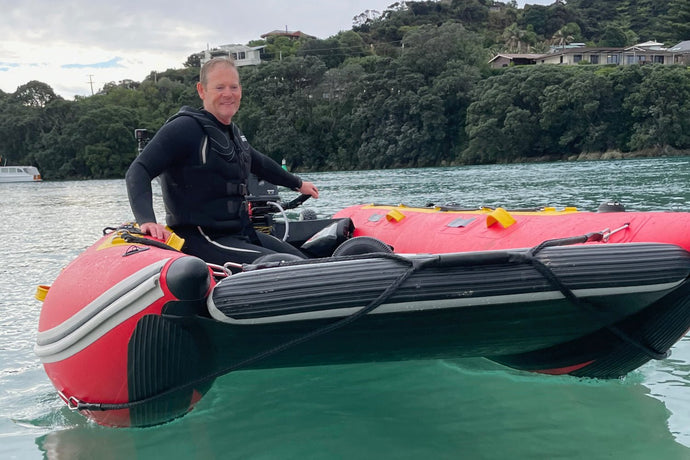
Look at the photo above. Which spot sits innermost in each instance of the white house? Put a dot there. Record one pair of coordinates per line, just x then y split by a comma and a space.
242, 54
643, 53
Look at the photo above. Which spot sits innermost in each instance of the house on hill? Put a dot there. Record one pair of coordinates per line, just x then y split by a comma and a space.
643, 53
506, 60
242, 54
650, 52
248, 55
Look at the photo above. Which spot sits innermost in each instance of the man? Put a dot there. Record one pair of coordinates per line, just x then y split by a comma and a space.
204, 162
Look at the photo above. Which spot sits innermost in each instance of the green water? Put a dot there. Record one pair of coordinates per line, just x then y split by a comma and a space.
469, 409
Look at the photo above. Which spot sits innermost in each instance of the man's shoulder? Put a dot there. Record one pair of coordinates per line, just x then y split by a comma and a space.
183, 122
186, 115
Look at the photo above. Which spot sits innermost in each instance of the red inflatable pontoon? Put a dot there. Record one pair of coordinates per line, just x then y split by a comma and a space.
448, 229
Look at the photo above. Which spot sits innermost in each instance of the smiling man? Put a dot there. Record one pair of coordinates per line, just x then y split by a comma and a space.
204, 162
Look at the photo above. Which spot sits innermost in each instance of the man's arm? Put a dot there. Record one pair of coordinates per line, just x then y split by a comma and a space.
267, 169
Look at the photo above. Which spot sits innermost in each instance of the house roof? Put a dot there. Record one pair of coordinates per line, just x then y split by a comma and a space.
287, 33
649, 44
516, 56
602, 50
681, 47
235, 47
584, 50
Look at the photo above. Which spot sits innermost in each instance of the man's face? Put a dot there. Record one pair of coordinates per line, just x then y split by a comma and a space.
222, 93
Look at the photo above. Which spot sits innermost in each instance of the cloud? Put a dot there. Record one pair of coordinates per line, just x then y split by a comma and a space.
7, 66
70, 44
114, 62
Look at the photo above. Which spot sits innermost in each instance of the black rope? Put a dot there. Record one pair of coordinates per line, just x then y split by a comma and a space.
550, 276
130, 227
413, 266
129, 238
128, 232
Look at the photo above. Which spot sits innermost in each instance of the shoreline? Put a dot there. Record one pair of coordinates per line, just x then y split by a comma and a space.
662, 152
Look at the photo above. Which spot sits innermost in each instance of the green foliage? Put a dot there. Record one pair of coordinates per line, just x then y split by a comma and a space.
281, 47
660, 109
547, 111
407, 88
675, 23
335, 50
613, 36
34, 94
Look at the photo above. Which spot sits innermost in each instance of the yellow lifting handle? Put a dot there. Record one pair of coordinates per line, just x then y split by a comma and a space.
394, 215
501, 216
174, 241
41, 292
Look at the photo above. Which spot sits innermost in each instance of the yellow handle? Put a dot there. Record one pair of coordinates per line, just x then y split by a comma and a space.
41, 292
175, 241
395, 215
501, 216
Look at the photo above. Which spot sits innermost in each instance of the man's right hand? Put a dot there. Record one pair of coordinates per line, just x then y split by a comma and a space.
156, 230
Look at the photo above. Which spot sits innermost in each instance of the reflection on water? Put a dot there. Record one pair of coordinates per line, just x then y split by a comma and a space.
438, 409
466, 409
669, 382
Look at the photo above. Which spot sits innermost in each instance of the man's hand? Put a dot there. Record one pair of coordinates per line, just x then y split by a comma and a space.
308, 188
157, 231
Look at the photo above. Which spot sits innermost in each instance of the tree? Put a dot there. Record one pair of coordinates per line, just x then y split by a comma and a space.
360, 99
565, 34
281, 47
34, 94
281, 99
575, 113
614, 37
676, 23
193, 60
513, 38
660, 109
106, 134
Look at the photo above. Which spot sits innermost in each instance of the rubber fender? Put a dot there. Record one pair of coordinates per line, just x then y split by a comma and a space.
188, 278
361, 245
611, 206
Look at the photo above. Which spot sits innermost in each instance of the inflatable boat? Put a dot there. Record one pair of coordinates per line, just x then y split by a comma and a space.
133, 332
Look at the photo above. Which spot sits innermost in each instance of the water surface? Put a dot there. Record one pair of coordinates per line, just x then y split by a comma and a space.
420, 409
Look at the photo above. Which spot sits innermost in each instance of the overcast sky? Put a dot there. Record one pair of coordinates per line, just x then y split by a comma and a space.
73, 45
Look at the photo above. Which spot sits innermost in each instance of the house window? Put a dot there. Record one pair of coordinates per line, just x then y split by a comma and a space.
594, 59
577, 58
658, 59
612, 59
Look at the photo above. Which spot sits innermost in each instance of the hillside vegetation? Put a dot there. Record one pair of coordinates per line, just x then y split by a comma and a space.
409, 87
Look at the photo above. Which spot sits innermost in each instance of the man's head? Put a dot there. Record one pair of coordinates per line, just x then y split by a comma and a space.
219, 88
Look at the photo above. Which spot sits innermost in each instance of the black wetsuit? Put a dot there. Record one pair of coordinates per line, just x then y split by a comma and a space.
204, 167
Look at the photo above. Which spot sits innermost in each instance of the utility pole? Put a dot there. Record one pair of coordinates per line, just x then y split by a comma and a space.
91, 82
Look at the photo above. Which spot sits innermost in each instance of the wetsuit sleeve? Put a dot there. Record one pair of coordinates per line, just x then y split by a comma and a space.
269, 170
171, 145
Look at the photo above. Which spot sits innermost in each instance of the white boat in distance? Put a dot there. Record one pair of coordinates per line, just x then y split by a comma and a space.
19, 174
